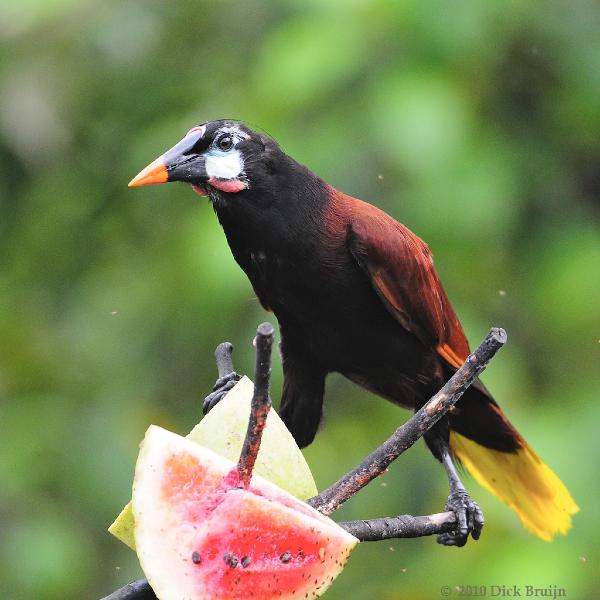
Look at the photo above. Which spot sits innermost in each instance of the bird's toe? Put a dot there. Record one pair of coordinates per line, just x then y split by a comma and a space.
220, 390
469, 520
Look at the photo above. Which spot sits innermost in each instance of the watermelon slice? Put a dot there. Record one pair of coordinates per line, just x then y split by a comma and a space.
199, 536
223, 430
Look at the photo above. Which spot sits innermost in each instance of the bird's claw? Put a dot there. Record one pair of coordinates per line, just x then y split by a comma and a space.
469, 519
220, 389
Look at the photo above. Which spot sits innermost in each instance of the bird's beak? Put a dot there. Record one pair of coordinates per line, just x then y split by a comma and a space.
155, 172
180, 163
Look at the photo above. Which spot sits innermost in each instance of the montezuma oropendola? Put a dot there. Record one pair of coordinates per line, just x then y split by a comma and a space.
343, 277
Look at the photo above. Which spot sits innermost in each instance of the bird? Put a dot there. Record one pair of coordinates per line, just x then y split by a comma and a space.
343, 277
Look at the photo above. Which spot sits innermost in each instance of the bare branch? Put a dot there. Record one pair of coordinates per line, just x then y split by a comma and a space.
372, 530
406, 435
402, 526
261, 403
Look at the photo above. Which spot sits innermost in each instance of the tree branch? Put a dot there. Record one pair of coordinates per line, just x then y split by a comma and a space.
261, 403
370, 530
401, 526
406, 435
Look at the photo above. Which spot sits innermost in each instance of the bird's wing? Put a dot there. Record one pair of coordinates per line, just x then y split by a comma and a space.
400, 267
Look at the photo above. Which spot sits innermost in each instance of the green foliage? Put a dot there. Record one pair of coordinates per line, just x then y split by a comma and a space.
475, 123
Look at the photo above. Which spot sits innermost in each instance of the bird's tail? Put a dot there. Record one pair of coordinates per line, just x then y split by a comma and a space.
516, 475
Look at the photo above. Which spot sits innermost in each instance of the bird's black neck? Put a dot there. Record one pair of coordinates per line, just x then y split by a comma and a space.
285, 208
272, 225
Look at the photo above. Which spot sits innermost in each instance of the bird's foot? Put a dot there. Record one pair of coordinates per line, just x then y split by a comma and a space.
220, 389
469, 519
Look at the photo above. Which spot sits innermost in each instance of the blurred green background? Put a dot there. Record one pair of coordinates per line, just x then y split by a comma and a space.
475, 123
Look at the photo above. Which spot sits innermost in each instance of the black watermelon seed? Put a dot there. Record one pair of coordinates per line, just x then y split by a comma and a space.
246, 560
285, 557
230, 560
196, 558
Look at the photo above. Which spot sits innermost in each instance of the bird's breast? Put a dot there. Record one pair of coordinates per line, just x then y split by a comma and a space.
262, 265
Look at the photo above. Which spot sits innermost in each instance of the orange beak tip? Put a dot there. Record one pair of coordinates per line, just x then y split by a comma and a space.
155, 172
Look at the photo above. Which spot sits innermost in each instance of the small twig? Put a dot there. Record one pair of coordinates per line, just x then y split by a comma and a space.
136, 590
261, 403
223, 358
402, 526
406, 435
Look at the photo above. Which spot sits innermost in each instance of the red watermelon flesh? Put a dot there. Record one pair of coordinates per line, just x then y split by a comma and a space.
200, 537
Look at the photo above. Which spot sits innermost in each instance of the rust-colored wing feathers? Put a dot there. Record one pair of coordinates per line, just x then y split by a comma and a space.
400, 266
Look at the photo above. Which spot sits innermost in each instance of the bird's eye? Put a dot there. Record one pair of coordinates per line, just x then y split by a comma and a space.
225, 143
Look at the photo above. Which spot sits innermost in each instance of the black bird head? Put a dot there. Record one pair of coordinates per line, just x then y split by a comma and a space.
216, 157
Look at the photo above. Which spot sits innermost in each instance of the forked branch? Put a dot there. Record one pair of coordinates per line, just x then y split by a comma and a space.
402, 526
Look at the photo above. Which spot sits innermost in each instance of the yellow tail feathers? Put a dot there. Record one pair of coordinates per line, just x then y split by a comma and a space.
523, 482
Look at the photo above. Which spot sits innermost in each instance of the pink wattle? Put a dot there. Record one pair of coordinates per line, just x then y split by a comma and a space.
228, 185
199, 190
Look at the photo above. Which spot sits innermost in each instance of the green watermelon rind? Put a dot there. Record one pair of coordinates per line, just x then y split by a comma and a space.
166, 535
223, 430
